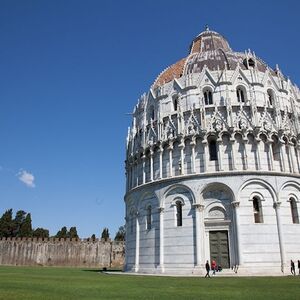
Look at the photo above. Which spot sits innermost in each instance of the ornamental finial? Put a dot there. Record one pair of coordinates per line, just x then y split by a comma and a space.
206, 27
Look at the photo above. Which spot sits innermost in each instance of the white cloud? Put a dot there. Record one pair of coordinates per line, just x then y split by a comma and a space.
26, 178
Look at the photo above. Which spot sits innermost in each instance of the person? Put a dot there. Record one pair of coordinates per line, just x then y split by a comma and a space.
207, 267
213, 266
293, 268
299, 266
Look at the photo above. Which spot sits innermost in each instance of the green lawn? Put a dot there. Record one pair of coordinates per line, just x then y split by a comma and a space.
72, 283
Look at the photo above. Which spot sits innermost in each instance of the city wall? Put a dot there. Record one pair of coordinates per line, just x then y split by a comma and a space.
61, 252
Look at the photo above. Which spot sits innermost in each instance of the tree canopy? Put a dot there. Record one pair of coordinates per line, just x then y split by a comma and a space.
120, 235
105, 234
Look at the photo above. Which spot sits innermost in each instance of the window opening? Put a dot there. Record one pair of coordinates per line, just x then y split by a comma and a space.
179, 213
294, 211
213, 150
208, 99
175, 103
240, 95
270, 97
257, 210
149, 221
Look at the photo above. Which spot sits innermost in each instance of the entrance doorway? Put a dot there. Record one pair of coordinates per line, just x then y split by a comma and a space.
219, 250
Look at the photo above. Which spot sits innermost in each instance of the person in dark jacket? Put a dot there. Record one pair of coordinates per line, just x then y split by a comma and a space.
299, 266
293, 268
207, 267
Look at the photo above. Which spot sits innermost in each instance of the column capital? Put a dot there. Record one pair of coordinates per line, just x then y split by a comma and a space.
181, 145
199, 206
235, 204
277, 204
161, 209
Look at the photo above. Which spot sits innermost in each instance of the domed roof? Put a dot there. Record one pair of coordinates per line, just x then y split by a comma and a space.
212, 50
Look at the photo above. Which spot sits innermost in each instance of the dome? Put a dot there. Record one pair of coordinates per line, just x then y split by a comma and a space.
210, 49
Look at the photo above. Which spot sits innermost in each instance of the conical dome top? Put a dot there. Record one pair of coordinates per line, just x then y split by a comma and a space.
211, 50
209, 41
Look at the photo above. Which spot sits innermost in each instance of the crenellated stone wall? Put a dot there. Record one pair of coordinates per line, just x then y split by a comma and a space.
61, 252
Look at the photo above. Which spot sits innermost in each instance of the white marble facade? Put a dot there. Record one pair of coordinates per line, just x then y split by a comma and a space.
213, 166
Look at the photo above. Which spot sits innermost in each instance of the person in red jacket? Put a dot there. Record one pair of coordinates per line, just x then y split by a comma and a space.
213, 266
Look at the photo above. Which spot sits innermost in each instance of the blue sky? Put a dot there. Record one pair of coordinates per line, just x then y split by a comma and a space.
71, 70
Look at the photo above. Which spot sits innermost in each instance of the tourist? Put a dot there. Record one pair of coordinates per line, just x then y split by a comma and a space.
293, 268
213, 266
207, 267
299, 266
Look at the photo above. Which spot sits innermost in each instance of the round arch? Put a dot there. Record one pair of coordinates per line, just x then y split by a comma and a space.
215, 185
262, 182
173, 187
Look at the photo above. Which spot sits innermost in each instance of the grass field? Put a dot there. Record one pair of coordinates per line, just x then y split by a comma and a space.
71, 283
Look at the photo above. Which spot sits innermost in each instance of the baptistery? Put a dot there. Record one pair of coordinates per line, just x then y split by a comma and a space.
213, 166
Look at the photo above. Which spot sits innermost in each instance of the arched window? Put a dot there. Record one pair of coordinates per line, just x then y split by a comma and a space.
294, 211
178, 213
149, 219
270, 97
151, 112
212, 146
240, 94
208, 98
175, 103
257, 210
249, 63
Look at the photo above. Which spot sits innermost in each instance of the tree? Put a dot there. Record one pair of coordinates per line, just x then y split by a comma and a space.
40, 233
93, 237
73, 233
26, 227
105, 234
120, 235
6, 224
63, 233
18, 221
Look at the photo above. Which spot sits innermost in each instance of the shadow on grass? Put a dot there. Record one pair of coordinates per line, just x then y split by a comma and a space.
102, 270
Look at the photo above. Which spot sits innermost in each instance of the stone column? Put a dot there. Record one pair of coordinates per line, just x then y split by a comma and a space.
131, 175
137, 172
144, 166
181, 147
292, 155
220, 150
258, 140
161, 239
236, 205
151, 164
170, 148
199, 208
245, 141
232, 141
205, 154
297, 153
161, 149
281, 144
193, 144
271, 155
280, 236
137, 243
